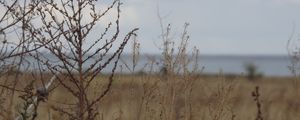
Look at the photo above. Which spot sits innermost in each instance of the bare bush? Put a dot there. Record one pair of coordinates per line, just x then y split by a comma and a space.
14, 43
60, 37
66, 31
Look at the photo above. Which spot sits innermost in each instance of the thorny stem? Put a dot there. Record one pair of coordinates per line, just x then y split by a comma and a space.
256, 96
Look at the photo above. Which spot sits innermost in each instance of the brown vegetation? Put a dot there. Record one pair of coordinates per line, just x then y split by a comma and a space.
143, 97
60, 87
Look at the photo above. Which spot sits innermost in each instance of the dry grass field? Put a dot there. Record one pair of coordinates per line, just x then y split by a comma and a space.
177, 91
161, 97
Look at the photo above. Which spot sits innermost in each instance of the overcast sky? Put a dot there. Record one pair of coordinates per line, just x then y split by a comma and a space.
218, 26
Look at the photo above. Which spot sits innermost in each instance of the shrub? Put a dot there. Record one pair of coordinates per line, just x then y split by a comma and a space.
252, 71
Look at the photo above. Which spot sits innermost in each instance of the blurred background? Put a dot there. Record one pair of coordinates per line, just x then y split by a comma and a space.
229, 34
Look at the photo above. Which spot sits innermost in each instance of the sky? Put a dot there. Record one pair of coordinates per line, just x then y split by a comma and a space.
221, 27
218, 27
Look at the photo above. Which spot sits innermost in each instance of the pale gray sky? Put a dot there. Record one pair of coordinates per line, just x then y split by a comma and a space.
218, 26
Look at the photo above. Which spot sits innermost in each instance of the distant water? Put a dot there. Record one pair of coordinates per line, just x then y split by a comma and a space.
268, 65
212, 64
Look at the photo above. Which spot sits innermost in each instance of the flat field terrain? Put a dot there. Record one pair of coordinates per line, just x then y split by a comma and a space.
194, 97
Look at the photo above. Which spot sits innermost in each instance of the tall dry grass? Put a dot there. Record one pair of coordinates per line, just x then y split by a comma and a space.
176, 92
181, 94
146, 97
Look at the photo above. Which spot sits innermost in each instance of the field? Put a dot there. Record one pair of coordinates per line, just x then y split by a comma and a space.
198, 97
75, 41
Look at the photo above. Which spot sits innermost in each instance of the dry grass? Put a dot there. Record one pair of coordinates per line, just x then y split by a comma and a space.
147, 97
177, 92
